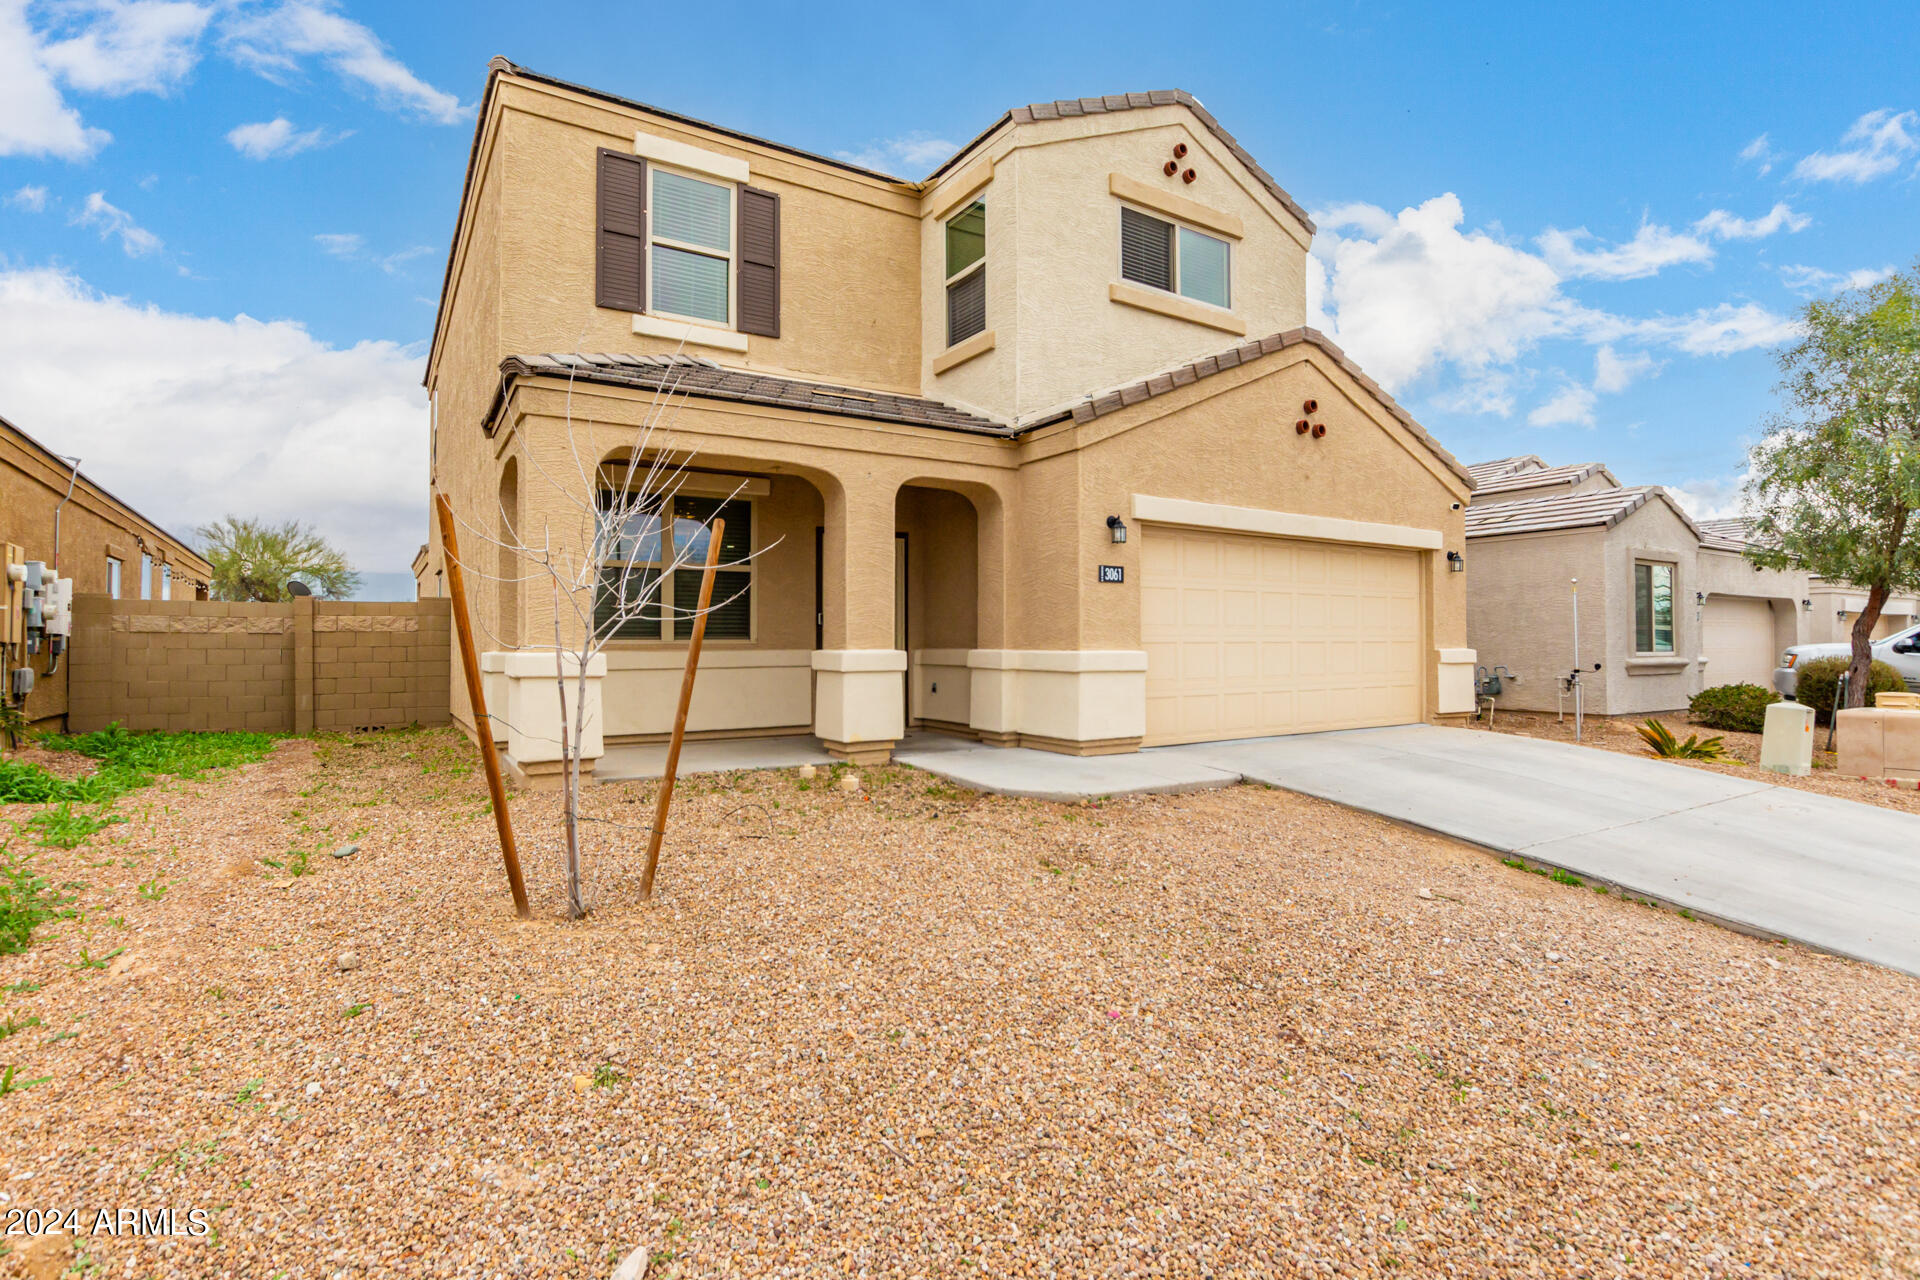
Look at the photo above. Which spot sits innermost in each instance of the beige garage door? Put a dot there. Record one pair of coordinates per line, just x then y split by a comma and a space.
1736, 639
1248, 636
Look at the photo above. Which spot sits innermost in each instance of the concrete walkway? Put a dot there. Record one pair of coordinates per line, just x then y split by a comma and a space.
1833, 873
718, 755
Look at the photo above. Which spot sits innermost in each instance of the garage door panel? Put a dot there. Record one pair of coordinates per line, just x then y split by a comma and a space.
1736, 638
1248, 636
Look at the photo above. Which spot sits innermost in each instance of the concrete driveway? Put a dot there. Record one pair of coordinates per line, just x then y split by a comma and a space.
1833, 873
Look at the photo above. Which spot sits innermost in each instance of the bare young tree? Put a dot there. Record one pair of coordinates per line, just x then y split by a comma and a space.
605, 561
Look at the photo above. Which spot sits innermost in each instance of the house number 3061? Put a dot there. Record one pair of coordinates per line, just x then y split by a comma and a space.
1113, 573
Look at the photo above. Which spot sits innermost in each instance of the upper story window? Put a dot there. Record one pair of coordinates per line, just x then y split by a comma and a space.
166, 582
967, 273
146, 577
113, 577
1652, 607
1164, 255
692, 247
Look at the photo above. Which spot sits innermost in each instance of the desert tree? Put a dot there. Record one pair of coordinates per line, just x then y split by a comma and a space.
1834, 485
612, 533
255, 559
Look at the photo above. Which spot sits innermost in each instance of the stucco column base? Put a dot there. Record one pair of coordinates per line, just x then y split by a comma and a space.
533, 713
860, 702
542, 775
998, 737
1076, 701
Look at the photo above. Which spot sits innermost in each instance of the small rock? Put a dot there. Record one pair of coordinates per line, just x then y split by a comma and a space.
1426, 893
634, 1265
346, 851
581, 1084
313, 1089
849, 782
1772, 963
348, 960
806, 771
1555, 956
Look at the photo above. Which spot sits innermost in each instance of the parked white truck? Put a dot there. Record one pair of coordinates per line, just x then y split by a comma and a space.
1901, 651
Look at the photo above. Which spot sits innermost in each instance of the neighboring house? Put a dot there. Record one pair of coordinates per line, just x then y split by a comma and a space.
942, 404
1667, 607
53, 513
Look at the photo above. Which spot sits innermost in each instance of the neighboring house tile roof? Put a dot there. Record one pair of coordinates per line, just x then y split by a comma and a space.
702, 378
1571, 474
1602, 508
1484, 471
1726, 534
1232, 358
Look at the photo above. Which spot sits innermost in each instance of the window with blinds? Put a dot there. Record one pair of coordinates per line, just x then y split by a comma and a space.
967, 273
642, 570
691, 237
1653, 608
1162, 255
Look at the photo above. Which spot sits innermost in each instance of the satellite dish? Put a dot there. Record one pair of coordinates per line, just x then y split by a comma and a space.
295, 587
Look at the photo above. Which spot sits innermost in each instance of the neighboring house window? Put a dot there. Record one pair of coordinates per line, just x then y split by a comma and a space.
113, 577
166, 582
1653, 608
146, 577
650, 544
692, 236
1163, 255
967, 273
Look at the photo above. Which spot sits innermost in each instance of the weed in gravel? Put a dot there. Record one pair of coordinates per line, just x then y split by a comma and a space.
8, 1084
355, 1010
1562, 876
88, 960
23, 987
295, 864
606, 1075
60, 827
152, 890
26, 901
10, 1026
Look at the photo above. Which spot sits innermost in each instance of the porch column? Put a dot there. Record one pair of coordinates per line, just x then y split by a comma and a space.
859, 696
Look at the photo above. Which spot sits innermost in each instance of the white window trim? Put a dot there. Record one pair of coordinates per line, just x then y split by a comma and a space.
1178, 225
1673, 609
166, 581
146, 577
972, 268
665, 594
116, 570
731, 255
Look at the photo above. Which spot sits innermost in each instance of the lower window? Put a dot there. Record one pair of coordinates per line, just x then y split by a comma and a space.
1653, 608
641, 569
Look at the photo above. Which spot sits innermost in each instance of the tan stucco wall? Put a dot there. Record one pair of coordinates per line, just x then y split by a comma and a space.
93, 526
1520, 612
1053, 248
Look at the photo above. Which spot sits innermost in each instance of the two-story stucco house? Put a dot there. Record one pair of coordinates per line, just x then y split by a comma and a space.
1037, 449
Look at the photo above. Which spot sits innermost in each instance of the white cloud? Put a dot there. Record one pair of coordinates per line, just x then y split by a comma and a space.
1721, 330
1760, 152
1873, 146
1573, 406
192, 417
35, 119
274, 42
1614, 373
341, 244
1726, 226
277, 138
28, 199
127, 46
109, 221
911, 153
1811, 280
1652, 249
1412, 290
1715, 498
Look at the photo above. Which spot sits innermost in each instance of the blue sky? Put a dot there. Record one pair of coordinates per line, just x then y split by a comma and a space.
1559, 230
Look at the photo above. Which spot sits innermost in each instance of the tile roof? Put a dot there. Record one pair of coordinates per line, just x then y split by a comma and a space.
1729, 533
1484, 471
1232, 358
1531, 478
699, 377
1602, 508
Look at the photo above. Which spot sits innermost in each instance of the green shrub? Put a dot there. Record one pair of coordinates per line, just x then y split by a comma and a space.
1661, 742
26, 901
1819, 678
1741, 708
182, 754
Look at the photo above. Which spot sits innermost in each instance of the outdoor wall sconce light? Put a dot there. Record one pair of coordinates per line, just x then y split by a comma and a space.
1456, 563
1118, 528
1841, 614
1699, 597
1806, 604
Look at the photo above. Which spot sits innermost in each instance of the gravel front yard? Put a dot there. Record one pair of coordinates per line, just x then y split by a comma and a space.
1617, 734
918, 1032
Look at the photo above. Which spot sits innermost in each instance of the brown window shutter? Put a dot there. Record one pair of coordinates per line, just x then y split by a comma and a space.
759, 262
620, 250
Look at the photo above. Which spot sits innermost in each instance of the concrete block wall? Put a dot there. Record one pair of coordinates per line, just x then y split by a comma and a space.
276, 668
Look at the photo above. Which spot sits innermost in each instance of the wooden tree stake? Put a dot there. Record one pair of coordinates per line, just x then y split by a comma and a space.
483, 727
680, 717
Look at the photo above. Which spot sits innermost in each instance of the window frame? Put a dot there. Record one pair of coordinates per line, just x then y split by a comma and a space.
146, 576
166, 581
731, 256
1653, 614
115, 569
1119, 254
977, 267
668, 621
